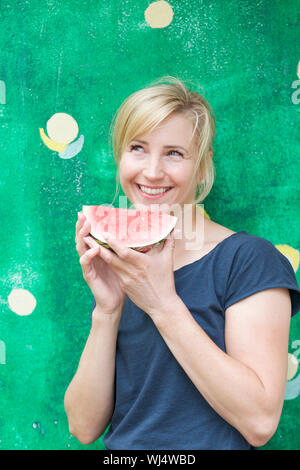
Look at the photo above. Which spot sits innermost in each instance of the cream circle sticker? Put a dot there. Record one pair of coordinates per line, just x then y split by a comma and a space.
21, 302
62, 128
159, 14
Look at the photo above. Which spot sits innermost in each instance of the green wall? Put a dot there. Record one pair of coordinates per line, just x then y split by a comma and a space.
83, 58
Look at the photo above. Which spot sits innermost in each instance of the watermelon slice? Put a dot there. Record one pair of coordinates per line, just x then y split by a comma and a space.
140, 230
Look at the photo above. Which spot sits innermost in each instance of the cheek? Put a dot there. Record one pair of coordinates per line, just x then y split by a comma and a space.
127, 171
184, 176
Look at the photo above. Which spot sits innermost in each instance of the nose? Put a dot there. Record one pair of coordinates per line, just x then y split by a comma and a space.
153, 168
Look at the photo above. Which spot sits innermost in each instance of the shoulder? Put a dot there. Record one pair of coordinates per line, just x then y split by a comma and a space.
255, 253
257, 265
216, 233
238, 243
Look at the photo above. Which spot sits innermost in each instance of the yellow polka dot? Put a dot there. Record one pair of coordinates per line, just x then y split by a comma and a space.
292, 366
291, 253
21, 302
159, 14
62, 128
50, 144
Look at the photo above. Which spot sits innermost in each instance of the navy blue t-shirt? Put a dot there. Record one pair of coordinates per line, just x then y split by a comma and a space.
157, 406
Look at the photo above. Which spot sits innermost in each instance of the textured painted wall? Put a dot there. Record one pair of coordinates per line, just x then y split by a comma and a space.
65, 68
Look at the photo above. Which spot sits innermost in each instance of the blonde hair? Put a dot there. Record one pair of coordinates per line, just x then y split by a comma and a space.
145, 109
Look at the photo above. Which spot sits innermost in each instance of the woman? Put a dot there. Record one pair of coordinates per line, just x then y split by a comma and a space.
188, 347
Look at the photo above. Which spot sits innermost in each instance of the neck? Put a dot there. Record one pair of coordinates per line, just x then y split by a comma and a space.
189, 231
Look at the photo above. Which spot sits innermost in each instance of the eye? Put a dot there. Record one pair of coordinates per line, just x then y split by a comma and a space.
176, 151
133, 147
170, 153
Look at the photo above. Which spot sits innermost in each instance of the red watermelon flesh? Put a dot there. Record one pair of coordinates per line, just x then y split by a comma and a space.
137, 229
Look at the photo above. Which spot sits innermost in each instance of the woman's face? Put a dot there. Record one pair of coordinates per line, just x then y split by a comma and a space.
157, 168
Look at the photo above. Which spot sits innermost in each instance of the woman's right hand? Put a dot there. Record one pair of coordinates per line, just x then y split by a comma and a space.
100, 278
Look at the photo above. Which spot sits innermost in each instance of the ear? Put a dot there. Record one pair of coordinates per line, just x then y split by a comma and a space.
200, 178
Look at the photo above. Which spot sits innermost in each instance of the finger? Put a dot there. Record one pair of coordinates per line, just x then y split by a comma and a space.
89, 255
80, 221
86, 261
91, 242
167, 247
81, 246
113, 260
123, 252
107, 255
85, 230
171, 240
169, 243
157, 248
103, 252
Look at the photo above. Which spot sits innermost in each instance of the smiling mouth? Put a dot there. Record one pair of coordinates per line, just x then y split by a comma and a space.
153, 191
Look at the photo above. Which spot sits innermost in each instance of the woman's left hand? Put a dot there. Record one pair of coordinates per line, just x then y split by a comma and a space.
147, 280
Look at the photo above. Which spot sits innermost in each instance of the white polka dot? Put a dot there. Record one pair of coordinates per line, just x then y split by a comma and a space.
159, 14
62, 128
21, 302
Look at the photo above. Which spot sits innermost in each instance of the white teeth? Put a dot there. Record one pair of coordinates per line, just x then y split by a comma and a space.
153, 191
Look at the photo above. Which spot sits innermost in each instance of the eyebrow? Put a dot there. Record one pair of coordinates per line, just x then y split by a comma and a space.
165, 146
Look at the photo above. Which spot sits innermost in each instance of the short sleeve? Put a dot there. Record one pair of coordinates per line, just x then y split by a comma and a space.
257, 265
